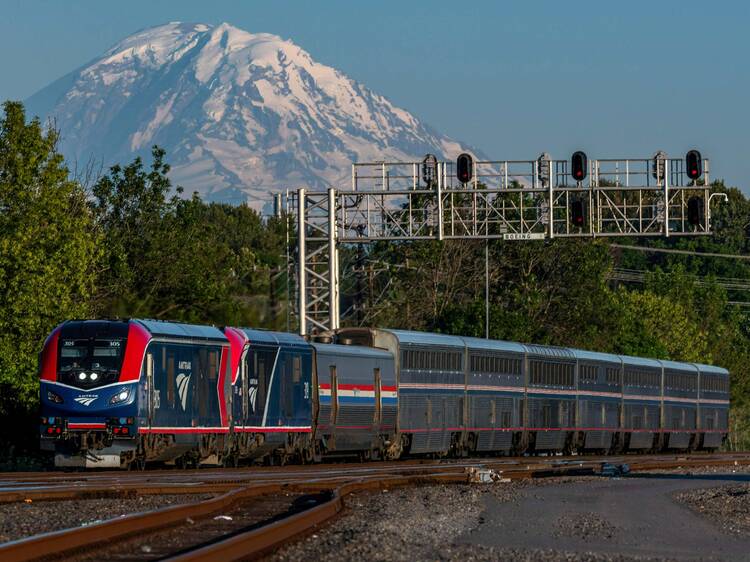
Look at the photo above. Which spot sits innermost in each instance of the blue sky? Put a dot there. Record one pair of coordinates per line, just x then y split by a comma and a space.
513, 79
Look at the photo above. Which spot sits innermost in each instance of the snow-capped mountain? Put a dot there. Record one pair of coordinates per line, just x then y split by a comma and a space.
240, 114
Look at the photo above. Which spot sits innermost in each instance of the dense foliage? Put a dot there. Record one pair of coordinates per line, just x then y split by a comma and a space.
49, 250
135, 246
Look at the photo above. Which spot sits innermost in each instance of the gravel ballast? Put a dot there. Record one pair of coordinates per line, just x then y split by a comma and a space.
22, 519
403, 524
573, 518
728, 506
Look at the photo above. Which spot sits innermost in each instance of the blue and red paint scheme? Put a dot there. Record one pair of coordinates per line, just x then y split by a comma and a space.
115, 393
67, 409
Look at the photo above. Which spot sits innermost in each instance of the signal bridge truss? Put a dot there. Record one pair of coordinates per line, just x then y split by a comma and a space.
510, 200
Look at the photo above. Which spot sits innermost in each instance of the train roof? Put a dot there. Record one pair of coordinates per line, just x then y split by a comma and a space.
678, 366
273, 338
494, 345
426, 338
549, 351
160, 328
713, 369
351, 350
595, 356
640, 361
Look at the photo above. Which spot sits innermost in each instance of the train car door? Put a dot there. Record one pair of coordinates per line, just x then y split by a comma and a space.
378, 417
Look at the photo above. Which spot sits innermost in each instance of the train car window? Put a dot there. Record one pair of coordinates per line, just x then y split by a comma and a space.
547, 415
507, 419
588, 373
297, 376
213, 365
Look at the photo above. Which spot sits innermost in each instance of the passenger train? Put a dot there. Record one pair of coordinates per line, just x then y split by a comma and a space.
123, 393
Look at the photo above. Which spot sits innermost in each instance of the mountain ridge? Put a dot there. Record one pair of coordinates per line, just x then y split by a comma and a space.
240, 114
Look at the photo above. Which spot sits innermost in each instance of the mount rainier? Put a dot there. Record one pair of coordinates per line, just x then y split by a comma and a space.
240, 114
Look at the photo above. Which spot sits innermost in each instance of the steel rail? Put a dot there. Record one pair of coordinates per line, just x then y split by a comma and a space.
254, 543
67, 540
258, 541
340, 484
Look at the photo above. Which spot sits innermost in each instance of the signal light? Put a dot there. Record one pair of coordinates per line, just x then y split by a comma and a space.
429, 169
578, 213
579, 165
659, 170
695, 210
542, 165
464, 167
694, 164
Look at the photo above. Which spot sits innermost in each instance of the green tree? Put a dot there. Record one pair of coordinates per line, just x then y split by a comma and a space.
181, 259
651, 325
47, 252
130, 204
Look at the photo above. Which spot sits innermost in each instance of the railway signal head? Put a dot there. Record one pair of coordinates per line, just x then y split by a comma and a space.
579, 165
543, 165
429, 169
659, 170
578, 213
694, 164
695, 210
464, 168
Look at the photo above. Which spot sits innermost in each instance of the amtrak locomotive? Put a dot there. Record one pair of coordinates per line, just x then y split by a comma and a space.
123, 393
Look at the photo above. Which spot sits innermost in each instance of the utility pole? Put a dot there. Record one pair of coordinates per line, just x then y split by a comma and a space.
487, 289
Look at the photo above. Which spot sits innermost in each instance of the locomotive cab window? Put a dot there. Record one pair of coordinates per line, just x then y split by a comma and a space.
89, 363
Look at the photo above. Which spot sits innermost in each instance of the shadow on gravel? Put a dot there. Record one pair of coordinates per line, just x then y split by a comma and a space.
705, 477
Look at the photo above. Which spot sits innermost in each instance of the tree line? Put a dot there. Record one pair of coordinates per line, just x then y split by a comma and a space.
129, 244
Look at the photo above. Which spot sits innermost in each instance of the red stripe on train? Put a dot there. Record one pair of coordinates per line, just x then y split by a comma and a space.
183, 430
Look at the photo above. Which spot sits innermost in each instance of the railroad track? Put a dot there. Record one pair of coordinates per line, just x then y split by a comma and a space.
254, 510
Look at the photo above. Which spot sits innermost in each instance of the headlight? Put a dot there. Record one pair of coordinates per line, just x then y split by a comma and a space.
121, 396
52, 397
